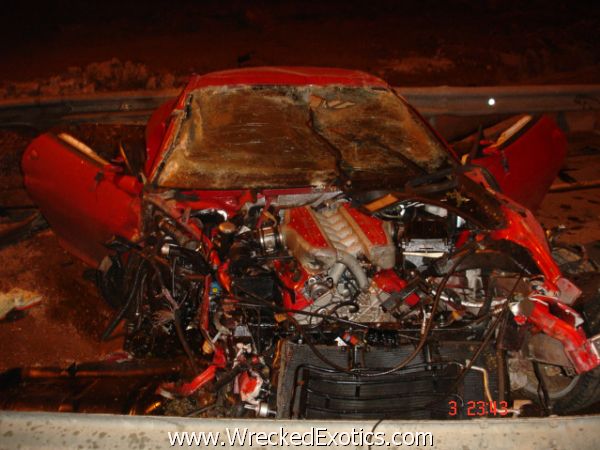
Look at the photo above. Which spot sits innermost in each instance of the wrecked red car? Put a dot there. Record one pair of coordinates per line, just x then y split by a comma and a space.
313, 249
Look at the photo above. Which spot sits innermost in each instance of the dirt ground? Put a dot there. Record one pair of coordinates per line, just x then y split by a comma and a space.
66, 327
579, 211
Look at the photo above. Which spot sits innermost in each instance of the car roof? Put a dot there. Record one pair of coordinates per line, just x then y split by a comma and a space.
273, 76
296, 76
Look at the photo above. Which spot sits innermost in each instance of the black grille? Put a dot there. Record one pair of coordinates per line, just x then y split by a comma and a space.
309, 389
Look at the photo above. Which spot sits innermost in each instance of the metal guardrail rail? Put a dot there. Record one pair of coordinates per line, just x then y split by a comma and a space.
488, 100
68, 430
136, 106
109, 107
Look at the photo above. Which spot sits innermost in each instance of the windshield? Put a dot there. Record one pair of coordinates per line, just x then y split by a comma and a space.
291, 136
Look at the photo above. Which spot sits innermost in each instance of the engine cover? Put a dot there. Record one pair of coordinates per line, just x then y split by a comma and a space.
340, 227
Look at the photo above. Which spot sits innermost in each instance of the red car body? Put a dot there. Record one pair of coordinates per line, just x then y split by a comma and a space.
88, 201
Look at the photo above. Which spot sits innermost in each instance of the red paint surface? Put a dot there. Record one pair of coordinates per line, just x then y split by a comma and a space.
294, 283
247, 383
303, 222
577, 348
85, 209
389, 282
206, 376
296, 76
371, 226
155, 132
526, 167
523, 229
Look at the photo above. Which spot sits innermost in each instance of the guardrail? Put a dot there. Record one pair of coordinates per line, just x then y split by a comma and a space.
136, 106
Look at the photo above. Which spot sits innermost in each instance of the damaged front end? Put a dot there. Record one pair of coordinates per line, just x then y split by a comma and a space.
314, 251
329, 304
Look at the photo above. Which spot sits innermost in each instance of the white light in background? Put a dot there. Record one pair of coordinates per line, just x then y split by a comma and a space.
491, 101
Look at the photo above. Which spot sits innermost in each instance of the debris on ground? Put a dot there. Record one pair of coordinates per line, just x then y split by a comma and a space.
17, 299
110, 75
67, 326
16, 227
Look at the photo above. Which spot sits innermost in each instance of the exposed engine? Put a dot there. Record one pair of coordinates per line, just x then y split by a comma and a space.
310, 306
342, 261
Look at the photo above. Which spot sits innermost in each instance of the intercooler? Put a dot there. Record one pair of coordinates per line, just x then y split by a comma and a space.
426, 389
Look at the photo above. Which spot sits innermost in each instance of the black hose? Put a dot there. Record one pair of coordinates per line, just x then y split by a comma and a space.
489, 297
176, 312
542, 391
183, 341
176, 316
500, 360
485, 309
121, 313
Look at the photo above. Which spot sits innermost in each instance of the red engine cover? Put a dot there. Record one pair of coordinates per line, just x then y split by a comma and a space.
338, 228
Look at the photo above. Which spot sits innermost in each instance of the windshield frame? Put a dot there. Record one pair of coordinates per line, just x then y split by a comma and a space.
183, 113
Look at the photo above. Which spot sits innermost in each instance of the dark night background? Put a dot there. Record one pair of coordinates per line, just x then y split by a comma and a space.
457, 42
